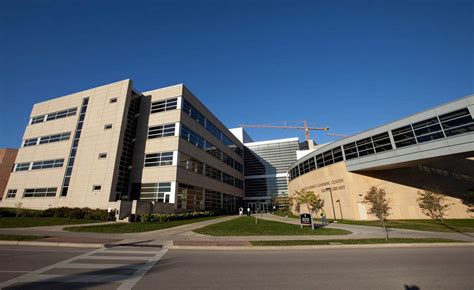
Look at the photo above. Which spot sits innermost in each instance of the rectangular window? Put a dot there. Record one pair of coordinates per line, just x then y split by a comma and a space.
40, 192
404, 136
226, 178
37, 119
159, 192
61, 114
457, 122
30, 142
159, 159
350, 150
165, 105
22, 166
11, 193
55, 138
212, 173
113, 100
193, 113
107, 126
47, 164
102, 155
96, 187
382, 142
161, 131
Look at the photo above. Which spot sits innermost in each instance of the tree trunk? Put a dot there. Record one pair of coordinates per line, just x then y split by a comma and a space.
386, 231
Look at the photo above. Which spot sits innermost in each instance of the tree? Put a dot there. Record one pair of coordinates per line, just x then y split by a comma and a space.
18, 206
377, 199
433, 204
309, 199
468, 199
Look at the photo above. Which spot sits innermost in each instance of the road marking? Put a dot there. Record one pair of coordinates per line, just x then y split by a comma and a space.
130, 283
13, 271
127, 281
100, 266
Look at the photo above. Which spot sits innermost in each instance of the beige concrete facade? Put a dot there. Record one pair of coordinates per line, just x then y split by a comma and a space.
7, 161
431, 150
112, 147
451, 178
88, 170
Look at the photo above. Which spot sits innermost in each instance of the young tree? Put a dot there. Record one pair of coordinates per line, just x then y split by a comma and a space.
468, 199
377, 199
309, 199
433, 204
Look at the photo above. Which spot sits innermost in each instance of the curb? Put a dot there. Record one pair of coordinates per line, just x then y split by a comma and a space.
48, 244
320, 247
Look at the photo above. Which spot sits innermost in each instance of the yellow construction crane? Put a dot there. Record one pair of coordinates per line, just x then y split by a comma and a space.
305, 128
337, 135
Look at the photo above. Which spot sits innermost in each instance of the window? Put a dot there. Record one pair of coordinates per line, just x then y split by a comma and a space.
156, 191
22, 166
61, 114
74, 146
11, 193
37, 119
457, 122
30, 142
382, 142
159, 159
404, 136
96, 187
113, 100
350, 151
55, 138
102, 155
161, 131
193, 113
212, 173
47, 164
40, 192
226, 178
107, 126
166, 105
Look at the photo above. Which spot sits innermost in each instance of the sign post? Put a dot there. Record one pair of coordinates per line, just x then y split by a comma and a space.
306, 220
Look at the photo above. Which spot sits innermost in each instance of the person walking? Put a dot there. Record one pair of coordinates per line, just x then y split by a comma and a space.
323, 217
241, 211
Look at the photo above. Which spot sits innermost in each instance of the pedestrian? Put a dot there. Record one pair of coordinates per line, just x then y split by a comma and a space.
323, 217
241, 211
248, 210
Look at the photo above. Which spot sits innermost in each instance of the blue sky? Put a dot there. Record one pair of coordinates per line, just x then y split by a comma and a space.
350, 65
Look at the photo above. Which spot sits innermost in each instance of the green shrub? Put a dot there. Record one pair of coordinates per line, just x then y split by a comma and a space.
162, 218
11, 212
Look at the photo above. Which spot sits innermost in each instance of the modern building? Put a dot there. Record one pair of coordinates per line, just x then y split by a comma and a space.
266, 169
106, 146
7, 161
432, 150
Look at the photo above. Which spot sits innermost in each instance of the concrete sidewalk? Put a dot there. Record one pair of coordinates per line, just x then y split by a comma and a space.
184, 234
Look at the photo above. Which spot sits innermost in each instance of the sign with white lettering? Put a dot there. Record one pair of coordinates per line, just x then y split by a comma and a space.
306, 220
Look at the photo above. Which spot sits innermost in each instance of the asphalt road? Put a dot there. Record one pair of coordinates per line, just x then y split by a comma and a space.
388, 268
123, 268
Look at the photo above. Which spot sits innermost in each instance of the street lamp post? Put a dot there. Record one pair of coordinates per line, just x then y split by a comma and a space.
340, 208
332, 202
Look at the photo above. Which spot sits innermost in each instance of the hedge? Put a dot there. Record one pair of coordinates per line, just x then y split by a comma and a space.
64, 212
155, 217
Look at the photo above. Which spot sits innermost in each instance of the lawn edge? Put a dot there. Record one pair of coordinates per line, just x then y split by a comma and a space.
51, 244
323, 247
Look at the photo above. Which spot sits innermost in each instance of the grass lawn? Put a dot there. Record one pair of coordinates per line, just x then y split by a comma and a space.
19, 238
451, 225
245, 226
120, 228
349, 242
25, 222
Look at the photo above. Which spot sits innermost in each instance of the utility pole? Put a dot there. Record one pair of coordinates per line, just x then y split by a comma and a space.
332, 202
